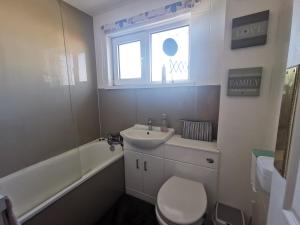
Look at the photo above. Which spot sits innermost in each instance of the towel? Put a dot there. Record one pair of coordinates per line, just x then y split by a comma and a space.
197, 130
9, 216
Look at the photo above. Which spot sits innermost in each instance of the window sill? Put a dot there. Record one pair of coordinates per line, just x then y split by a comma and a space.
151, 86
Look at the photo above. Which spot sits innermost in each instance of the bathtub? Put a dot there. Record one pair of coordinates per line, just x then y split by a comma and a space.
37, 187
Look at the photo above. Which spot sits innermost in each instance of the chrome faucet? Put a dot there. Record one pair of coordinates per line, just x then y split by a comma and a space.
149, 123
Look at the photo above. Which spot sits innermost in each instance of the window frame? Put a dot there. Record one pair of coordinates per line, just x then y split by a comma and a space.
167, 28
124, 39
144, 35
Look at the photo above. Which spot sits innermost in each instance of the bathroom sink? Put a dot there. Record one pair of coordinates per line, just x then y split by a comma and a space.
264, 171
140, 137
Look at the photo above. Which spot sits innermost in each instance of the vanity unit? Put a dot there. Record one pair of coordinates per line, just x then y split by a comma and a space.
146, 169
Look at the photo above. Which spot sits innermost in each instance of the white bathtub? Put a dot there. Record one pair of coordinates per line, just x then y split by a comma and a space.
36, 187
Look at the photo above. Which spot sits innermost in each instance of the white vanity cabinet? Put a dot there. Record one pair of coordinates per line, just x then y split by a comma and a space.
133, 171
153, 174
143, 174
147, 169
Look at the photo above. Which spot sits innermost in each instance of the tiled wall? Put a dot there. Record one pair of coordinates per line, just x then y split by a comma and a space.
41, 115
120, 109
79, 38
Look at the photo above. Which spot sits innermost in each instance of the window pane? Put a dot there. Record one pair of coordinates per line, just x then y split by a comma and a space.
130, 60
170, 49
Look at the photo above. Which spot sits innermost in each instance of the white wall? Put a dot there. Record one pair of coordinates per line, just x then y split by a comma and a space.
246, 123
207, 30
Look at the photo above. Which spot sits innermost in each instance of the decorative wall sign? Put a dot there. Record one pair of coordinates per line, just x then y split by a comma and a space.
244, 82
250, 30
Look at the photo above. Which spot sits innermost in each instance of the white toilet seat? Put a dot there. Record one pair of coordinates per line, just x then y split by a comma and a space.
181, 202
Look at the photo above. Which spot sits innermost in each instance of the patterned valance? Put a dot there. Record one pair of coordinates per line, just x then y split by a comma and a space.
152, 15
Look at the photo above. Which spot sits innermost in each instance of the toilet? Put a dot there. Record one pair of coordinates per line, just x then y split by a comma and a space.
181, 202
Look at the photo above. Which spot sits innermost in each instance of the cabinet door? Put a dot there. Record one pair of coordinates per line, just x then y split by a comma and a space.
133, 171
153, 168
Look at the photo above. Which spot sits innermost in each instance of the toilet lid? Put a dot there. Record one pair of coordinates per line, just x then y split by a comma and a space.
182, 201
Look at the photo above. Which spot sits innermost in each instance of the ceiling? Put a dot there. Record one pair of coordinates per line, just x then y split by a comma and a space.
94, 7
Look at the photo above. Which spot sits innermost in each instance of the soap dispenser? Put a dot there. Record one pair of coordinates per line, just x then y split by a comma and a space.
164, 126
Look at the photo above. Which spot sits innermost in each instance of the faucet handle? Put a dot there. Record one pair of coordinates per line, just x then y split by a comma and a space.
149, 123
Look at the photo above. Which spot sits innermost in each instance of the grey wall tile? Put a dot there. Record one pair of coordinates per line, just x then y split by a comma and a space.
36, 117
31, 43
79, 37
117, 110
121, 109
208, 103
178, 103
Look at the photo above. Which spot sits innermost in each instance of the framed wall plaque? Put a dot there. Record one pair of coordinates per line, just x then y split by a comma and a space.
244, 81
250, 30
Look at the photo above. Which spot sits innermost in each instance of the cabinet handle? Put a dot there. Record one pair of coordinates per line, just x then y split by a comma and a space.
145, 165
137, 164
209, 160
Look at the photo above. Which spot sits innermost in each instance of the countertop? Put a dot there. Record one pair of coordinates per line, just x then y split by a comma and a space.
177, 140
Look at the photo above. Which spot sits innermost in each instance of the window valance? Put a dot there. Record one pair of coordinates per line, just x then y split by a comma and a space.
151, 16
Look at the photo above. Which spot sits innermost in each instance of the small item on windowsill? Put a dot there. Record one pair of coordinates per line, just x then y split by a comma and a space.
197, 130
164, 75
164, 125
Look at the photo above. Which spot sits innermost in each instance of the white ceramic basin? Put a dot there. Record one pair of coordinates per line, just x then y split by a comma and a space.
139, 136
264, 171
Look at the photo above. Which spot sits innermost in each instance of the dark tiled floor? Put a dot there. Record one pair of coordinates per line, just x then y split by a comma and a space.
131, 211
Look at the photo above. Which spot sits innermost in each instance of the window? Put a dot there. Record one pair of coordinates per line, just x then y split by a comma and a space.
175, 43
130, 60
154, 56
